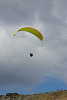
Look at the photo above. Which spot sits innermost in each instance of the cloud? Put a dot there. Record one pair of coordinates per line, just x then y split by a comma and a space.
50, 57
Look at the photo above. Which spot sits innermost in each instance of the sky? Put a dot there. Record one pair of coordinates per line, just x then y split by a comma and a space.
47, 69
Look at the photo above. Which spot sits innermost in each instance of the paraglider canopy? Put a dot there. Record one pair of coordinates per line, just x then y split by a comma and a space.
32, 31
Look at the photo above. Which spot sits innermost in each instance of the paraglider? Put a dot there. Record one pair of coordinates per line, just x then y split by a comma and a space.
31, 30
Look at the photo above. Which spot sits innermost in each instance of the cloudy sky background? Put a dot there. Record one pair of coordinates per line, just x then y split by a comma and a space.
48, 67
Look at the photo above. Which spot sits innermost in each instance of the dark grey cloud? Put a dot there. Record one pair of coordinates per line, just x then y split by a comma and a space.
50, 57
15, 12
23, 11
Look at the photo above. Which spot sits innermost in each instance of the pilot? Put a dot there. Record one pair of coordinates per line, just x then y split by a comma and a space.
31, 54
